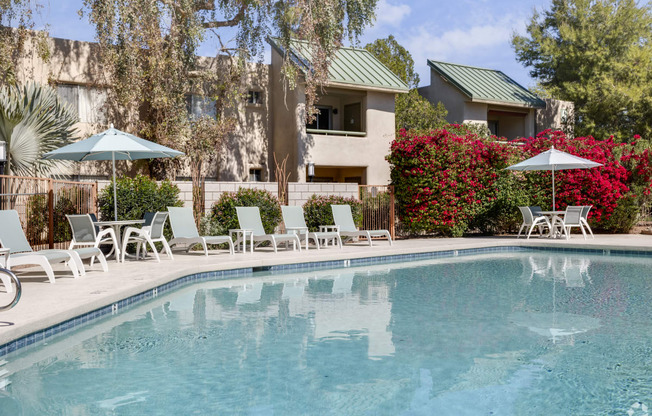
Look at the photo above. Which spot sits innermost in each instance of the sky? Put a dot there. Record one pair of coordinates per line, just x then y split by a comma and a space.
469, 32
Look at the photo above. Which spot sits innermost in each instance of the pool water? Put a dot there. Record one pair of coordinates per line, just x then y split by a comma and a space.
499, 334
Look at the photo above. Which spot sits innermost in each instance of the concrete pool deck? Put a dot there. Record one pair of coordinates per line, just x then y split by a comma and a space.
44, 304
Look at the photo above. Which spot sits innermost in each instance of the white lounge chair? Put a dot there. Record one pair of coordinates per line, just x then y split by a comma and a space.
249, 219
572, 218
84, 234
585, 218
532, 221
296, 222
13, 238
343, 218
185, 231
149, 234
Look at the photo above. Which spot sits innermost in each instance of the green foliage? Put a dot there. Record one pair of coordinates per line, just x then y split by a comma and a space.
413, 112
597, 54
224, 217
37, 215
33, 121
149, 53
317, 210
18, 40
136, 196
396, 58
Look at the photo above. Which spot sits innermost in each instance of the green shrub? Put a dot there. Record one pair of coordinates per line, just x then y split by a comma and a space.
37, 217
317, 210
223, 214
138, 195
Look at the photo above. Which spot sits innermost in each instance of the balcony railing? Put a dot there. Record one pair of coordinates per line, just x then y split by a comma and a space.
337, 132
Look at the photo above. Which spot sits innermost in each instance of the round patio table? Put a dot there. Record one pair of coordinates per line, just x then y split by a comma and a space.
116, 228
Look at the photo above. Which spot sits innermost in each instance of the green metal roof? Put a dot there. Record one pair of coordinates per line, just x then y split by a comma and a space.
350, 66
486, 85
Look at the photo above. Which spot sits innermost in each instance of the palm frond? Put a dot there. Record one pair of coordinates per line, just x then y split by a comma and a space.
34, 120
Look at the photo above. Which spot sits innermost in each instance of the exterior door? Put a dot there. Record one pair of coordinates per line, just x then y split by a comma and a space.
352, 117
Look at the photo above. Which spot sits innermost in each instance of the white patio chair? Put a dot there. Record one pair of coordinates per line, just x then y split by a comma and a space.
84, 234
343, 218
184, 231
249, 219
572, 218
148, 234
295, 222
585, 218
529, 220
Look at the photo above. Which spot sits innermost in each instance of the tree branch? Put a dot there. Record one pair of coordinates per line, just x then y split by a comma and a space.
227, 23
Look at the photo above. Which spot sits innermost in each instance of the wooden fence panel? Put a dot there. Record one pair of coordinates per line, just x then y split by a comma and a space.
42, 205
378, 210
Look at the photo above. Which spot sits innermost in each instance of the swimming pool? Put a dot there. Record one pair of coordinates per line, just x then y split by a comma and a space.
501, 333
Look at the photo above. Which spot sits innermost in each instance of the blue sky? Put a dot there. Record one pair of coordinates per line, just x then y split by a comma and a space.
471, 32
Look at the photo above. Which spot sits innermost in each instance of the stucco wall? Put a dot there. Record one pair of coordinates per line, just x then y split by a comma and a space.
552, 117
441, 91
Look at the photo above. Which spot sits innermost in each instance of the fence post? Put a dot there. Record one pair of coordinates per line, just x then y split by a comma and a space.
50, 214
392, 215
94, 207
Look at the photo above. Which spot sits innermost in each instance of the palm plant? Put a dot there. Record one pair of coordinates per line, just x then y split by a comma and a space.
34, 120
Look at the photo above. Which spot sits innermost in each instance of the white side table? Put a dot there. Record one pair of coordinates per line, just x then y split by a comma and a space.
298, 231
326, 229
241, 235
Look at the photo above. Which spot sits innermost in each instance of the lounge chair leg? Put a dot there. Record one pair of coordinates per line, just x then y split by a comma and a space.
369, 238
46, 266
167, 249
203, 243
102, 260
78, 263
274, 244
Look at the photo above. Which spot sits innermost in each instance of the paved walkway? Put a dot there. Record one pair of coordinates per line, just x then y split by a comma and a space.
43, 304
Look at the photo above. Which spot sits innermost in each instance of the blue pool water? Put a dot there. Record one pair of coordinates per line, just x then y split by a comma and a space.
495, 334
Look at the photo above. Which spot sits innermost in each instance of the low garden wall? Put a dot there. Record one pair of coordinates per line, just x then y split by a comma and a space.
298, 193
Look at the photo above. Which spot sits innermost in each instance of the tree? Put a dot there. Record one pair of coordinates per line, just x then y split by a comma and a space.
33, 121
149, 50
413, 112
597, 54
16, 26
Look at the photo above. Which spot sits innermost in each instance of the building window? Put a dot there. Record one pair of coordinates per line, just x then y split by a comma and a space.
254, 97
88, 102
323, 119
255, 175
199, 106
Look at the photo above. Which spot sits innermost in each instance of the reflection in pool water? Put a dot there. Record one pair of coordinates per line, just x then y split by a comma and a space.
510, 334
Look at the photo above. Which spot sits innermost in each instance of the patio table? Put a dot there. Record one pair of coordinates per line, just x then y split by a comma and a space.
553, 216
116, 228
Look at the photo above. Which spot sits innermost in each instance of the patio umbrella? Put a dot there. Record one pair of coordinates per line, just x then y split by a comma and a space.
553, 160
113, 145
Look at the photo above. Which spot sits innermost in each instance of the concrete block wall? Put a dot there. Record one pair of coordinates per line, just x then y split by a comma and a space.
299, 192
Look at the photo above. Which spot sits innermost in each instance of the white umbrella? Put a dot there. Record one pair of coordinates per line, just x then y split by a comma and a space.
113, 145
553, 160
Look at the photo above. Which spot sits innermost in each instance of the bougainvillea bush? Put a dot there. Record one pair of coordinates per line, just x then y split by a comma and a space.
444, 180
451, 182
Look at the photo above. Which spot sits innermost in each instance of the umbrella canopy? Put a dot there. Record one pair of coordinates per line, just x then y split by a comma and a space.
553, 160
113, 145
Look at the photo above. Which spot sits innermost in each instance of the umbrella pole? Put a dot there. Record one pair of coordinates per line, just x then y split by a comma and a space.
115, 192
553, 188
